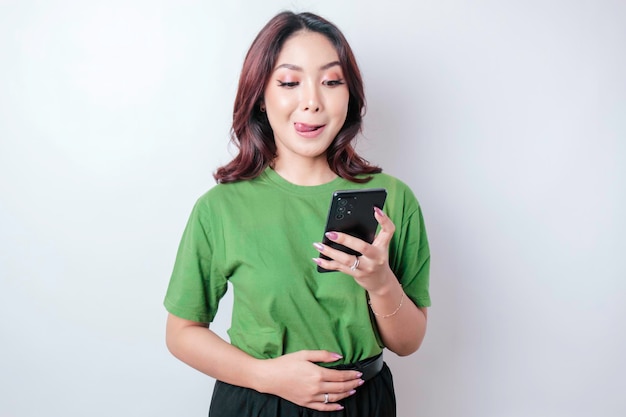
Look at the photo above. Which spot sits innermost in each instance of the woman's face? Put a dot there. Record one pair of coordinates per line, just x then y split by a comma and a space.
306, 98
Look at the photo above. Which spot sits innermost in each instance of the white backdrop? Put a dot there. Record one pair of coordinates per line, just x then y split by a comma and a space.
507, 118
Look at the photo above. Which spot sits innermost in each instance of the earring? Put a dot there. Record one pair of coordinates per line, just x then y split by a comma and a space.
262, 109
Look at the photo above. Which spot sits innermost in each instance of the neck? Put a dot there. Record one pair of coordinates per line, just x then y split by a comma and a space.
305, 172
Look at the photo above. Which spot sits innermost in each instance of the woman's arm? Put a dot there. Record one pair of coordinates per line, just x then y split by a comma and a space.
402, 325
294, 377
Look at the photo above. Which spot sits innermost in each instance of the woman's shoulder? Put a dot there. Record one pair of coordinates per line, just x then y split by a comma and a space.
221, 191
217, 201
399, 193
390, 182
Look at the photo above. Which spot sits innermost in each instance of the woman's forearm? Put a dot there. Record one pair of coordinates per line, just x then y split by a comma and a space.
199, 347
401, 324
295, 377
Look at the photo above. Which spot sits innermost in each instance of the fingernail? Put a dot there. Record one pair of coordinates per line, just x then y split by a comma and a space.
318, 246
378, 211
317, 261
332, 235
352, 392
339, 407
336, 355
361, 382
359, 375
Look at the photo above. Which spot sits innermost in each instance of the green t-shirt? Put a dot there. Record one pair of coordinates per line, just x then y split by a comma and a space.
258, 234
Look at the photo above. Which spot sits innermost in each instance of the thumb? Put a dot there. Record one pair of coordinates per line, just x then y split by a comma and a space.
320, 356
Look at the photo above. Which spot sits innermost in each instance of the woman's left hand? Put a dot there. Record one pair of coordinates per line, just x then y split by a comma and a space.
371, 270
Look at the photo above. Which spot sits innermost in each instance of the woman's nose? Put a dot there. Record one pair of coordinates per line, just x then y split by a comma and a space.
311, 100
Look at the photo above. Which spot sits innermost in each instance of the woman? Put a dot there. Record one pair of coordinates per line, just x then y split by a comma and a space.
301, 342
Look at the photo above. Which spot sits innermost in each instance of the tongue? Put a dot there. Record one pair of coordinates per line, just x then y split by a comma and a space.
301, 127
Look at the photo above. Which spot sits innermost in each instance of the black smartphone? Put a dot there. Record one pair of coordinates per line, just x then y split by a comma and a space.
352, 212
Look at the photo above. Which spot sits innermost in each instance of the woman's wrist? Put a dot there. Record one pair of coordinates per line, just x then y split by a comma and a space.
388, 285
258, 375
387, 300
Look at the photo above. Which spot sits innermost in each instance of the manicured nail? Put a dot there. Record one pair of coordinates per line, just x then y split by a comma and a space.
378, 211
361, 382
336, 355
317, 261
352, 392
339, 408
332, 235
359, 375
318, 246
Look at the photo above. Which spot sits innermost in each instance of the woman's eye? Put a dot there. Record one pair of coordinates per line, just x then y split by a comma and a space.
288, 84
333, 83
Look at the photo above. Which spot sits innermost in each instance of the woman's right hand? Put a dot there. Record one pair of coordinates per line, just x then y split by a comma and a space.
297, 378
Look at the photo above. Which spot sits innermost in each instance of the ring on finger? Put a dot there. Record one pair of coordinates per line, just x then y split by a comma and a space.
326, 398
355, 265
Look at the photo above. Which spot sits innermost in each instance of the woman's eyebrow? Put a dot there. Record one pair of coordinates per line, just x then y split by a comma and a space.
298, 68
330, 65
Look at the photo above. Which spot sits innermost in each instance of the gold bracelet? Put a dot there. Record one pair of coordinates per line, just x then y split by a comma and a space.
387, 315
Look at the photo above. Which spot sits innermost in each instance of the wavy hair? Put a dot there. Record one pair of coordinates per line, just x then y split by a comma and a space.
251, 132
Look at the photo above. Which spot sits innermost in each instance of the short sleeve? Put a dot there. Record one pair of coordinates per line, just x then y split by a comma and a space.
196, 285
410, 256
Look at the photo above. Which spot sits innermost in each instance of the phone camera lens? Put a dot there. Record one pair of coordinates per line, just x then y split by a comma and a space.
339, 216
342, 203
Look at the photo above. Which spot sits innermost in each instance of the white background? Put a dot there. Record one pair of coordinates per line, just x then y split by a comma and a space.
507, 118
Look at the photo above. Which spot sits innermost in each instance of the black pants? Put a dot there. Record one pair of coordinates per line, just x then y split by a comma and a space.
375, 398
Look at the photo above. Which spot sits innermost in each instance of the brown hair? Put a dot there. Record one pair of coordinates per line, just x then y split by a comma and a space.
251, 132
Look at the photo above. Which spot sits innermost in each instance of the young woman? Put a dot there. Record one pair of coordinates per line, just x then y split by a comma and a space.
301, 342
